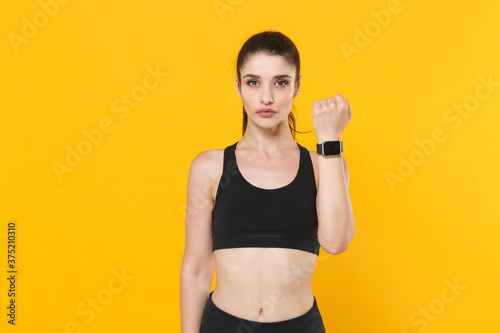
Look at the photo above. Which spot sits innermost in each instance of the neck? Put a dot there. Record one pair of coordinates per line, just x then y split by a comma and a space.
267, 139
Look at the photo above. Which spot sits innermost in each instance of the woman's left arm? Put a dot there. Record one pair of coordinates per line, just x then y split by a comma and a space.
333, 203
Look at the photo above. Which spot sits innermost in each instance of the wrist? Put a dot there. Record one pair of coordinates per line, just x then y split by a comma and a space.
329, 148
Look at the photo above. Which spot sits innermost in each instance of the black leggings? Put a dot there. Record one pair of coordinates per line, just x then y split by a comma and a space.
216, 320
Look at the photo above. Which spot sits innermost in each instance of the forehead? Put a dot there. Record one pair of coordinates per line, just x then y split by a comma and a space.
267, 65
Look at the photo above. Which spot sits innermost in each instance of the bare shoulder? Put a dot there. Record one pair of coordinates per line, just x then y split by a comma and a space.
206, 168
207, 160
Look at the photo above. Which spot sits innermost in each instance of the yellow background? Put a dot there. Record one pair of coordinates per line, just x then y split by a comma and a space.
121, 209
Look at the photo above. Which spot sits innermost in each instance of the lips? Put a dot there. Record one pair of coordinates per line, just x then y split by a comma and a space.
266, 110
266, 113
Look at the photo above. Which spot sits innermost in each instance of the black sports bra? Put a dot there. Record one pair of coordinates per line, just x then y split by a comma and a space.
248, 216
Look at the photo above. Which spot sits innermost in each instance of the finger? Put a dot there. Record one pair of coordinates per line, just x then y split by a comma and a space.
349, 112
331, 99
316, 105
340, 100
342, 103
322, 102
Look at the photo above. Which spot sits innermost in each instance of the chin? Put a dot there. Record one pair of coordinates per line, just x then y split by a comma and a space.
269, 125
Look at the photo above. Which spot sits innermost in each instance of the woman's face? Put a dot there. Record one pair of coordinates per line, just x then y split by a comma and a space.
267, 82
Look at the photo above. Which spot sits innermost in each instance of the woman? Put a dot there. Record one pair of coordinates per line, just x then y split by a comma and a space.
261, 208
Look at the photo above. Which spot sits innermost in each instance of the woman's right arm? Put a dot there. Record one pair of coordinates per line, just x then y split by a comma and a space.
197, 267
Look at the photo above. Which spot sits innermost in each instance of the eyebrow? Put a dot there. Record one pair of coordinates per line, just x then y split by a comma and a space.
275, 77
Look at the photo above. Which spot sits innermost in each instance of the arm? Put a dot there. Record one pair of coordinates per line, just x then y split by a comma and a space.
335, 214
333, 203
197, 263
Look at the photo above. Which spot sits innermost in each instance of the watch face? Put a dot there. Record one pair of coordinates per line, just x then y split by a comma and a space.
331, 148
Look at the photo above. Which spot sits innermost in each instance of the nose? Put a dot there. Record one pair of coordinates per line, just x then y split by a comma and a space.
266, 95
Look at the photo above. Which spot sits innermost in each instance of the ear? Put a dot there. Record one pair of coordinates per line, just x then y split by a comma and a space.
298, 87
238, 91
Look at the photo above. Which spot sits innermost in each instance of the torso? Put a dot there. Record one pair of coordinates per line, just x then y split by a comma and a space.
263, 284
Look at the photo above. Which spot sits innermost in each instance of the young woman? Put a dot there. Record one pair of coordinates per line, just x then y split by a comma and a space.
260, 209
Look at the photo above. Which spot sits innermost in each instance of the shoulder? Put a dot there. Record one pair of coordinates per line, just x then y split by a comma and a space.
206, 169
207, 163
207, 159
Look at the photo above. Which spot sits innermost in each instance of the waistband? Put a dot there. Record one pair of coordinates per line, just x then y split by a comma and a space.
217, 316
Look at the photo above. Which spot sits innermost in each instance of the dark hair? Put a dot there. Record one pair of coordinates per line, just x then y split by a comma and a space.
270, 43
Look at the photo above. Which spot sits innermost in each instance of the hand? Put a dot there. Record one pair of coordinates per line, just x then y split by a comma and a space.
330, 117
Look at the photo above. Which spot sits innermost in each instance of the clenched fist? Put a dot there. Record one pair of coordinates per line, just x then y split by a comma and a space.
330, 117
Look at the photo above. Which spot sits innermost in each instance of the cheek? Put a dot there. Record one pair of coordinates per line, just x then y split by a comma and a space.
284, 98
247, 94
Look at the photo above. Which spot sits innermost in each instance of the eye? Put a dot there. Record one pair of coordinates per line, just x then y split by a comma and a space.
250, 82
283, 83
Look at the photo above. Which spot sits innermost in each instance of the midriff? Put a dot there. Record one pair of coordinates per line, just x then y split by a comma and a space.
264, 284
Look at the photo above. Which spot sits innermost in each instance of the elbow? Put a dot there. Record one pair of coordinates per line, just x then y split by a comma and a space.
337, 246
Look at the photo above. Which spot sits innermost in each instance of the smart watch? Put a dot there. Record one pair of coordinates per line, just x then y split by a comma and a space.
330, 148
